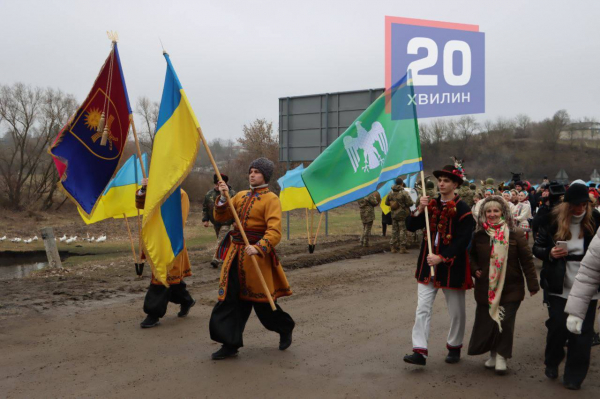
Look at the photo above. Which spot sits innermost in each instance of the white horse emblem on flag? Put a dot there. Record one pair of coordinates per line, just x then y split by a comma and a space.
365, 141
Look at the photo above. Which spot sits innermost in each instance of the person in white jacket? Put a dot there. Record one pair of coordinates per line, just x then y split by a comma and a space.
522, 213
585, 288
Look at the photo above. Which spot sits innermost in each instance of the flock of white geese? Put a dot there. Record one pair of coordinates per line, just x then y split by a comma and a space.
64, 238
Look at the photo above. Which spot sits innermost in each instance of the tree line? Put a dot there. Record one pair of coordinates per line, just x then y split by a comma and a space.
31, 118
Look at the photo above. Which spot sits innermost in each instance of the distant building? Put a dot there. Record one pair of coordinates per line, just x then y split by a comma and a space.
581, 131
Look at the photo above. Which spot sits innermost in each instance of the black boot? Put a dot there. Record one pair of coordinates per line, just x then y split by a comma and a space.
415, 358
453, 356
285, 340
551, 372
214, 263
185, 309
596, 340
572, 386
225, 352
150, 322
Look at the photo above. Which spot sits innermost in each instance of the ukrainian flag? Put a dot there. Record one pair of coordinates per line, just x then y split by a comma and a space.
383, 192
293, 194
174, 152
119, 196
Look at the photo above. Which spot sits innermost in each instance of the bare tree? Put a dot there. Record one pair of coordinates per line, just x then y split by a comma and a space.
465, 128
148, 111
31, 117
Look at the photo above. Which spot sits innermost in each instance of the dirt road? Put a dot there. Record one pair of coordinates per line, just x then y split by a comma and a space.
354, 320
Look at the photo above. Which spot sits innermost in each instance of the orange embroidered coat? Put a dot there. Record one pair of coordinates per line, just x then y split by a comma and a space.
259, 211
181, 267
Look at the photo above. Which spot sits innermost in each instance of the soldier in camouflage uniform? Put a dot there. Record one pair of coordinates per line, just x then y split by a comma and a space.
466, 194
221, 228
367, 215
400, 202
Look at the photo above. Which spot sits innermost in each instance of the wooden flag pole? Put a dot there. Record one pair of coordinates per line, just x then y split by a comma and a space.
431, 268
307, 230
130, 239
139, 154
137, 144
238, 223
318, 228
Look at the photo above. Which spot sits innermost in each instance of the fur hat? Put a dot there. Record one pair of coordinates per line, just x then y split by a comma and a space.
429, 184
265, 166
216, 179
399, 181
504, 207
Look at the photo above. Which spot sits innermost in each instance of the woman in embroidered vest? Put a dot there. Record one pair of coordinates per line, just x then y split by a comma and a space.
500, 256
451, 230
240, 289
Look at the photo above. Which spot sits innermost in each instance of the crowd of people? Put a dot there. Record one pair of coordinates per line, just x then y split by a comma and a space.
478, 238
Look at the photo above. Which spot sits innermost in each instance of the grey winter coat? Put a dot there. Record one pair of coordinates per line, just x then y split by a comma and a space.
587, 282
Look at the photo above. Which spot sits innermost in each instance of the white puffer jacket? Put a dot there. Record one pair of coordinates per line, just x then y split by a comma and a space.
587, 282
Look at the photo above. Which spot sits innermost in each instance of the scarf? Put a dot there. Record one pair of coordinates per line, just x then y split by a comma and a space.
498, 258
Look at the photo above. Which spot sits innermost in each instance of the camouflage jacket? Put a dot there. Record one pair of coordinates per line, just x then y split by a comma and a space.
367, 207
209, 205
399, 195
466, 194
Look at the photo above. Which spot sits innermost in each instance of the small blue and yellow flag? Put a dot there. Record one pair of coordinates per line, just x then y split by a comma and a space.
174, 152
119, 197
293, 194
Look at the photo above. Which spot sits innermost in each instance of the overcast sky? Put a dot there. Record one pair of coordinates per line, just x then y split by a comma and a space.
236, 58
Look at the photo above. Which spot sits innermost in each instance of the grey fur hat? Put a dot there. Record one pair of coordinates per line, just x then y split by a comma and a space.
265, 166
504, 207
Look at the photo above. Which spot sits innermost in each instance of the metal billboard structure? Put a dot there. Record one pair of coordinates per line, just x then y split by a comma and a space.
309, 124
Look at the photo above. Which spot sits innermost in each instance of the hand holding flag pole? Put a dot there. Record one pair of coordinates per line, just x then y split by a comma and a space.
238, 223
431, 268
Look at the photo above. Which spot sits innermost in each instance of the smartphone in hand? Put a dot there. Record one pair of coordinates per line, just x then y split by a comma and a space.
562, 245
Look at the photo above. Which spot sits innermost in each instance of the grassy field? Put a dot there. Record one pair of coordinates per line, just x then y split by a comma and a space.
342, 221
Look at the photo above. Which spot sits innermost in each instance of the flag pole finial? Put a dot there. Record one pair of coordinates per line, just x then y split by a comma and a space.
163, 47
112, 36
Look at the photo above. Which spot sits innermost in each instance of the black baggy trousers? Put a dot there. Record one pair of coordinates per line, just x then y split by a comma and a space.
229, 317
159, 296
579, 347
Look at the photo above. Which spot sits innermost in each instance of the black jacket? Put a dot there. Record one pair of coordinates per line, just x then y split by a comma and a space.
553, 271
454, 272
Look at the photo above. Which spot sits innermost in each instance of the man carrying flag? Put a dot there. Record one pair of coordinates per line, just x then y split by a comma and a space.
259, 211
451, 229
91, 144
175, 147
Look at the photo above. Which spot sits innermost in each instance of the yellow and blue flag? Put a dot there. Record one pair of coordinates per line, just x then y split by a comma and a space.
293, 194
174, 152
119, 197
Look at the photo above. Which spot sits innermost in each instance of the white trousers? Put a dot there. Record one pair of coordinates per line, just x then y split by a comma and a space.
455, 299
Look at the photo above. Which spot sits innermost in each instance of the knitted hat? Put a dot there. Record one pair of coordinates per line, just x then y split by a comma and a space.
399, 181
216, 179
265, 167
577, 194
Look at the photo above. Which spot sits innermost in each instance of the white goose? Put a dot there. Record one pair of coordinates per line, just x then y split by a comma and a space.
63, 238
16, 239
102, 238
27, 241
35, 238
2, 238
72, 239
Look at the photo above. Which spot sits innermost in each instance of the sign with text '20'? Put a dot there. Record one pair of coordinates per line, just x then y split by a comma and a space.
445, 61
